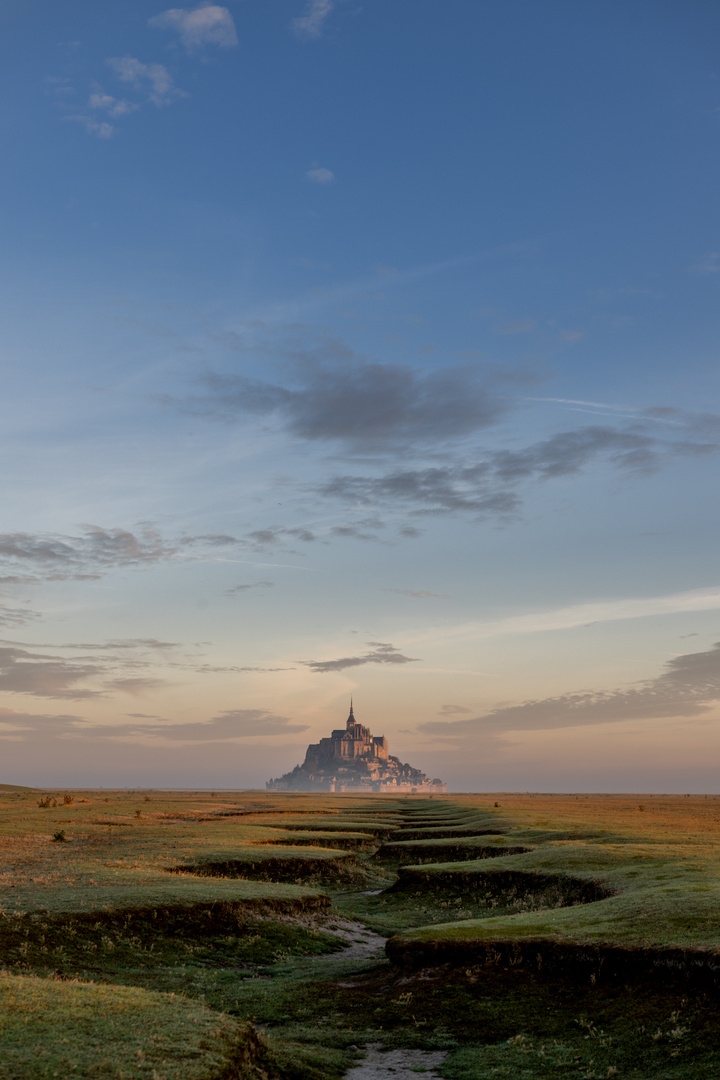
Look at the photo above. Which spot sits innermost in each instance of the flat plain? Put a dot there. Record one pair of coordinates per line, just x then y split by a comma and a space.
219, 935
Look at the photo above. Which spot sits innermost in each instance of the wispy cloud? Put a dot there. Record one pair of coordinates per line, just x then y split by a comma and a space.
23, 672
359, 531
420, 594
208, 24
244, 588
262, 539
310, 25
100, 128
137, 685
228, 727
381, 653
153, 81
522, 326
149, 83
709, 264
16, 616
320, 176
113, 106
689, 686
17, 726
97, 550
486, 487
596, 611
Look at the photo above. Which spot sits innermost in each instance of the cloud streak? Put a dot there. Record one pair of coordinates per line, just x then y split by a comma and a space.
23, 672
689, 686
96, 551
381, 653
228, 727
594, 611
485, 487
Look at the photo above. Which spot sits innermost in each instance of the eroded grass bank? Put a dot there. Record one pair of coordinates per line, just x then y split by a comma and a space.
534, 937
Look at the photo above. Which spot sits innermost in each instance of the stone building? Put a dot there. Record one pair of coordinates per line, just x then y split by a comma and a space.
353, 759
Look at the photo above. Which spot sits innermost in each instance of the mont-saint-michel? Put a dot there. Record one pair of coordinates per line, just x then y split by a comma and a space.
353, 759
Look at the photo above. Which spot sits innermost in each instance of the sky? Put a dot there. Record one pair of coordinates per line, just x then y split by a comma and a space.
360, 348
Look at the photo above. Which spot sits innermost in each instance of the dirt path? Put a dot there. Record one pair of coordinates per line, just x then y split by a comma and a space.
396, 1064
362, 943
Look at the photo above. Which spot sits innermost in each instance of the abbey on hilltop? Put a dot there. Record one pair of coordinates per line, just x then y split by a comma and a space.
352, 759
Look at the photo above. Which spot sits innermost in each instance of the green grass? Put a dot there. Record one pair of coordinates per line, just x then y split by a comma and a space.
50, 1028
99, 932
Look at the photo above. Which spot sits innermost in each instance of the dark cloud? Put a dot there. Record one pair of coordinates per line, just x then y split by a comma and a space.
353, 532
484, 487
382, 653
689, 686
430, 490
336, 394
260, 539
453, 710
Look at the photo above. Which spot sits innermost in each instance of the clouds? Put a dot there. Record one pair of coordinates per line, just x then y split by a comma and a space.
320, 176
261, 539
337, 395
425, 437
15, 616
101, 128
485, 487
382, 653
688, 687
134, 666
23, 672
204, 25
310, 26
149, 83
153, 81
97, 550
709, 264
597, 611
17, 726
244, 588
228, 727
233, 724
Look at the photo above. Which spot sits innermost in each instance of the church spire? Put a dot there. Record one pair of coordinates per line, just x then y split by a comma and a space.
351, 717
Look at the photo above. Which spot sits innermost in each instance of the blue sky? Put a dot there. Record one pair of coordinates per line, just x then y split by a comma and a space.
363, 348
